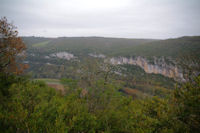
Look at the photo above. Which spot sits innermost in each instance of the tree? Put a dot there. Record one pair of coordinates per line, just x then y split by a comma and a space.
12, 48
187, 105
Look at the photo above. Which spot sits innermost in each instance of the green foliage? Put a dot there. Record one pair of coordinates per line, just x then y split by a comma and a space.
7, 80
32, 106
187, 105
20, 113
159, 112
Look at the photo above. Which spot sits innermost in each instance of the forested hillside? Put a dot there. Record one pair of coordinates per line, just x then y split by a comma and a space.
169, 48
82, 45
117, 46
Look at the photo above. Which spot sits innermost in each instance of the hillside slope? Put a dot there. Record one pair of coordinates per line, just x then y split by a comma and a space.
82, 45
117, 46
168, 48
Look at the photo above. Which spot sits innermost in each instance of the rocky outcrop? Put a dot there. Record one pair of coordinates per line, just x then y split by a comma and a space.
97, 55
63, 55
157, 66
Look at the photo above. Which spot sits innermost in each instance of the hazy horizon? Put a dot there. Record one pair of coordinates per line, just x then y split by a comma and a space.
141, 19
109, 37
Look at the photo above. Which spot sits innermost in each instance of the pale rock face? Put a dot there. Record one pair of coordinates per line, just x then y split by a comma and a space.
48, 63
63, 55
23, 53
158, 67
46, 57
26, 62
97, 55
32, 54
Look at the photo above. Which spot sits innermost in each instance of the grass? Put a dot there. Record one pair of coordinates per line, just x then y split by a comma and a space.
51, 81
41, 44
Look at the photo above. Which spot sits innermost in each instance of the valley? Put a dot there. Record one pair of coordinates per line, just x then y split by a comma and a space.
99, 66
66, 57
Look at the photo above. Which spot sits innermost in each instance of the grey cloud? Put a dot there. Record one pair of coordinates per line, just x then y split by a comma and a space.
116, 18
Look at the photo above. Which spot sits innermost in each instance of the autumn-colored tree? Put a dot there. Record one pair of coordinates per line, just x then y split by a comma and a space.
12, 48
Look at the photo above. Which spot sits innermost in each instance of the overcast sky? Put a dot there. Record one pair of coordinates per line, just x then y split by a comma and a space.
109, 18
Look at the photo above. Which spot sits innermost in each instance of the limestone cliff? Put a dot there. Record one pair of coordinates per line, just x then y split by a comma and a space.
157, 66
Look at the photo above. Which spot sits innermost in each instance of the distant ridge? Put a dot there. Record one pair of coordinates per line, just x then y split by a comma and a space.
173, 47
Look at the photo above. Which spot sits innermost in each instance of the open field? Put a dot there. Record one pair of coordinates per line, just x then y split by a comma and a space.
41, 44
58, 87
48, 80
54, 83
